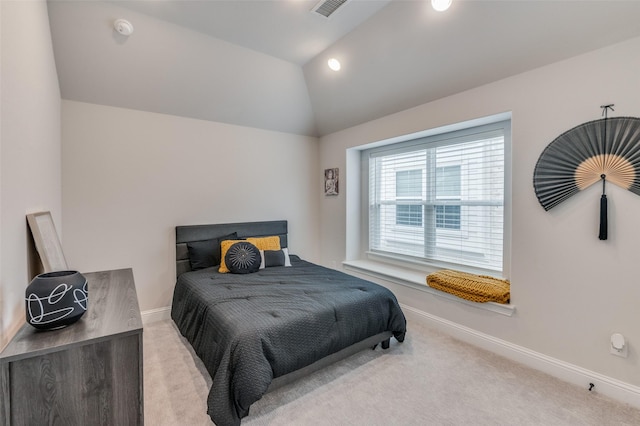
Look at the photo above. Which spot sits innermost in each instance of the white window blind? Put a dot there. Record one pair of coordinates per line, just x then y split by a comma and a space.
440, 199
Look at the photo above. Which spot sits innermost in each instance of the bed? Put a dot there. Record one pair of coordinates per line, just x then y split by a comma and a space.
258, 331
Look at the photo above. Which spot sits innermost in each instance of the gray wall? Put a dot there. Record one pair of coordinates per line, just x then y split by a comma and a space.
129, 177
29, 147
571, 290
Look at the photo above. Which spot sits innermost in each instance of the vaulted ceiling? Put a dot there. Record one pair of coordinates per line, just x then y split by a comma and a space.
264, 63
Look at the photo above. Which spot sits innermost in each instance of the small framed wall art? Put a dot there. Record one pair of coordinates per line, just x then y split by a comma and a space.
331, 182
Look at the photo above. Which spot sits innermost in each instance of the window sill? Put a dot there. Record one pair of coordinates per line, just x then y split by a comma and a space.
417, 280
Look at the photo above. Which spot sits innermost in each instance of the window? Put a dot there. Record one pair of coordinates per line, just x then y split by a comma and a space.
440, 199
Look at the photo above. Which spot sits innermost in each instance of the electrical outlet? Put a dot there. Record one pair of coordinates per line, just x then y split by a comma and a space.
618, 345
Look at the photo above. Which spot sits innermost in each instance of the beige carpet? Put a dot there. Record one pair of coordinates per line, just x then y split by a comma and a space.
430, 379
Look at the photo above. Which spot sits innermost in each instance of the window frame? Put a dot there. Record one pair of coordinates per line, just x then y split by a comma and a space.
435, 138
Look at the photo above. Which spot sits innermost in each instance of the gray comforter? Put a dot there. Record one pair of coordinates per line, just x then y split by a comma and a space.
250, 329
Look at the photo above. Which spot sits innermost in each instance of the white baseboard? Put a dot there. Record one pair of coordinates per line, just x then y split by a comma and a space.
158, 314
613, 388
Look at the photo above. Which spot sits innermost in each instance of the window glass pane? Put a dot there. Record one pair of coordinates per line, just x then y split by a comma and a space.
409, 183
448, 181
448, 217
410, 215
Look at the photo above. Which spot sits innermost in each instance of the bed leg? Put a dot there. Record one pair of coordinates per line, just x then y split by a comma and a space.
385, 343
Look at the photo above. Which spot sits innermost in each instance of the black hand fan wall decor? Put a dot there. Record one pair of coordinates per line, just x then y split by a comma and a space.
604, 150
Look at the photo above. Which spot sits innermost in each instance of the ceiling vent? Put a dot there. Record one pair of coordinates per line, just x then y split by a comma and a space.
327, 7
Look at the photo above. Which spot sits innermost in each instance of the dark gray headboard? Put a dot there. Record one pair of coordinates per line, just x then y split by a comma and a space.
188, 233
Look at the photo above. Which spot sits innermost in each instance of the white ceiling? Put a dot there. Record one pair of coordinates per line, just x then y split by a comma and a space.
263, 63
282, 28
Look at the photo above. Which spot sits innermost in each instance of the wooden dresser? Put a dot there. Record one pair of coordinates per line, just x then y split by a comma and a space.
89, 373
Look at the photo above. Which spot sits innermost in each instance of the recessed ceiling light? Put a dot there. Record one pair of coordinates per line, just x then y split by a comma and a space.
334, 64
441, 5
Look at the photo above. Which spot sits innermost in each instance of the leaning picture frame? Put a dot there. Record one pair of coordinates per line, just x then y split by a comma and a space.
47, 242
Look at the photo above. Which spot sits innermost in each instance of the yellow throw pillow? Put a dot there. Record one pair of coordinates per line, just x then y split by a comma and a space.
262, 243
266, 243
224, 247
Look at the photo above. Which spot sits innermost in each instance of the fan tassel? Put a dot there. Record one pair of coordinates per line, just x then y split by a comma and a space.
603, 217
603, 212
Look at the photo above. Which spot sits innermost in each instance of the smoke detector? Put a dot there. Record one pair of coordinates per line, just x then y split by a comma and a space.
123, 26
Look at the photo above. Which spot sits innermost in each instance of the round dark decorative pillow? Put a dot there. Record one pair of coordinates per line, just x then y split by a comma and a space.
243, 258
